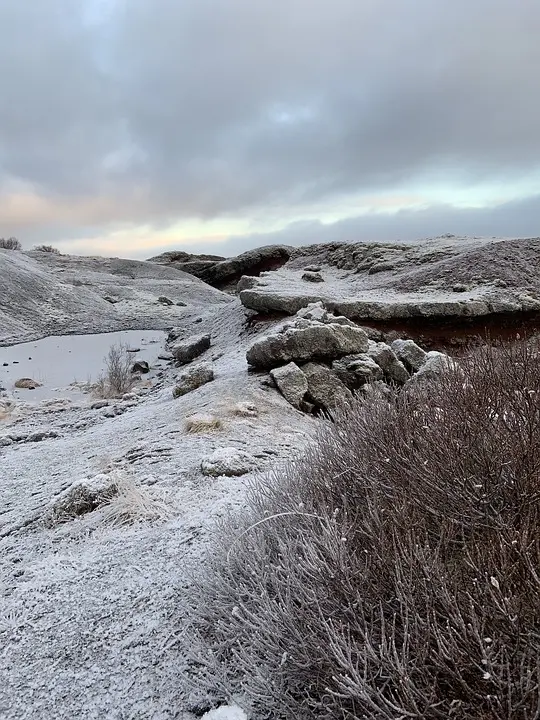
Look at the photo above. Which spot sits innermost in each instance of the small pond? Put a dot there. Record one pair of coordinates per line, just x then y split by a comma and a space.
58, 361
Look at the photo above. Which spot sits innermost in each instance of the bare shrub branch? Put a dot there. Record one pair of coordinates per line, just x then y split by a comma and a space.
118, 377
418, 594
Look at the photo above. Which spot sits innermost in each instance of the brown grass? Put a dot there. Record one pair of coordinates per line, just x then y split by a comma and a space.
200, 424
394, 571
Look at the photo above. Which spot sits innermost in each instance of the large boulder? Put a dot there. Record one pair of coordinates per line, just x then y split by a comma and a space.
394, 370
325, 389
410, 354
291, 382
228, 461
356, 370
303, 344
193, 378
185, 351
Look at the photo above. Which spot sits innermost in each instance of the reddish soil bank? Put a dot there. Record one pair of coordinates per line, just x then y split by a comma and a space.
451, 335
454, 336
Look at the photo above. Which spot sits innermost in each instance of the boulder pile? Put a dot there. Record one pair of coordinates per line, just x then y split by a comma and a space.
319, 360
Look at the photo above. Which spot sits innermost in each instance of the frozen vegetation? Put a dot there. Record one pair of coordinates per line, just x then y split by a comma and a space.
114, 510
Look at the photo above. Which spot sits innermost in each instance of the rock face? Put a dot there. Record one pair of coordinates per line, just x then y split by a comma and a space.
461, 278
228, 461
302, 344
193, 378
185, 351
325, 389
291, 382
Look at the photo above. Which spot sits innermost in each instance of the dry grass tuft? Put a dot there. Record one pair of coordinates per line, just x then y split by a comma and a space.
202, 423
131, 504
394, 570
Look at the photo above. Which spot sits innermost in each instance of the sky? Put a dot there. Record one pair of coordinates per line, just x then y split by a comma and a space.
131, 127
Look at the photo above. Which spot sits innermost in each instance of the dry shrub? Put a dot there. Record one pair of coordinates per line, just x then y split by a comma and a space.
202, 423
48, 249
10, 243
394, 571
118, 377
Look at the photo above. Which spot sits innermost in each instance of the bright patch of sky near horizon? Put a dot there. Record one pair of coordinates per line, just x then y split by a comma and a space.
216, 125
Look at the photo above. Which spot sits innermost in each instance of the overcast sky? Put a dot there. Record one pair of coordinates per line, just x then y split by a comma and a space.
129, 127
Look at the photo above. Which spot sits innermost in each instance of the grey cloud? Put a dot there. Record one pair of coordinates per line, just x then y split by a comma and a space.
513, 219
209, 107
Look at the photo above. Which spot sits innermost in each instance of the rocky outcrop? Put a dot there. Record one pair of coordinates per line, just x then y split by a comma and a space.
184, 351
220, 272
312, 365
457, 278
193, 378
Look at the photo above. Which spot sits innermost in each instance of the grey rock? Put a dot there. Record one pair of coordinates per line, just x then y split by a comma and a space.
435, 365
317, 311
141, 366
394, 370
268, 301
164, 300
315, 342
314, 277
185, 351
325, 389
459, 287
313, 268
193, 378
356, 370
99, 404
410, 354
165, 356
291, 382
228, 461
27, 384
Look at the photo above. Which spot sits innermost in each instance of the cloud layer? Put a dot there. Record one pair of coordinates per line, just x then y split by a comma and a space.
154, 111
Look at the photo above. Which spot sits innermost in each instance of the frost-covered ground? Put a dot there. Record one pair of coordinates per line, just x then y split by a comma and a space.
90, 616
